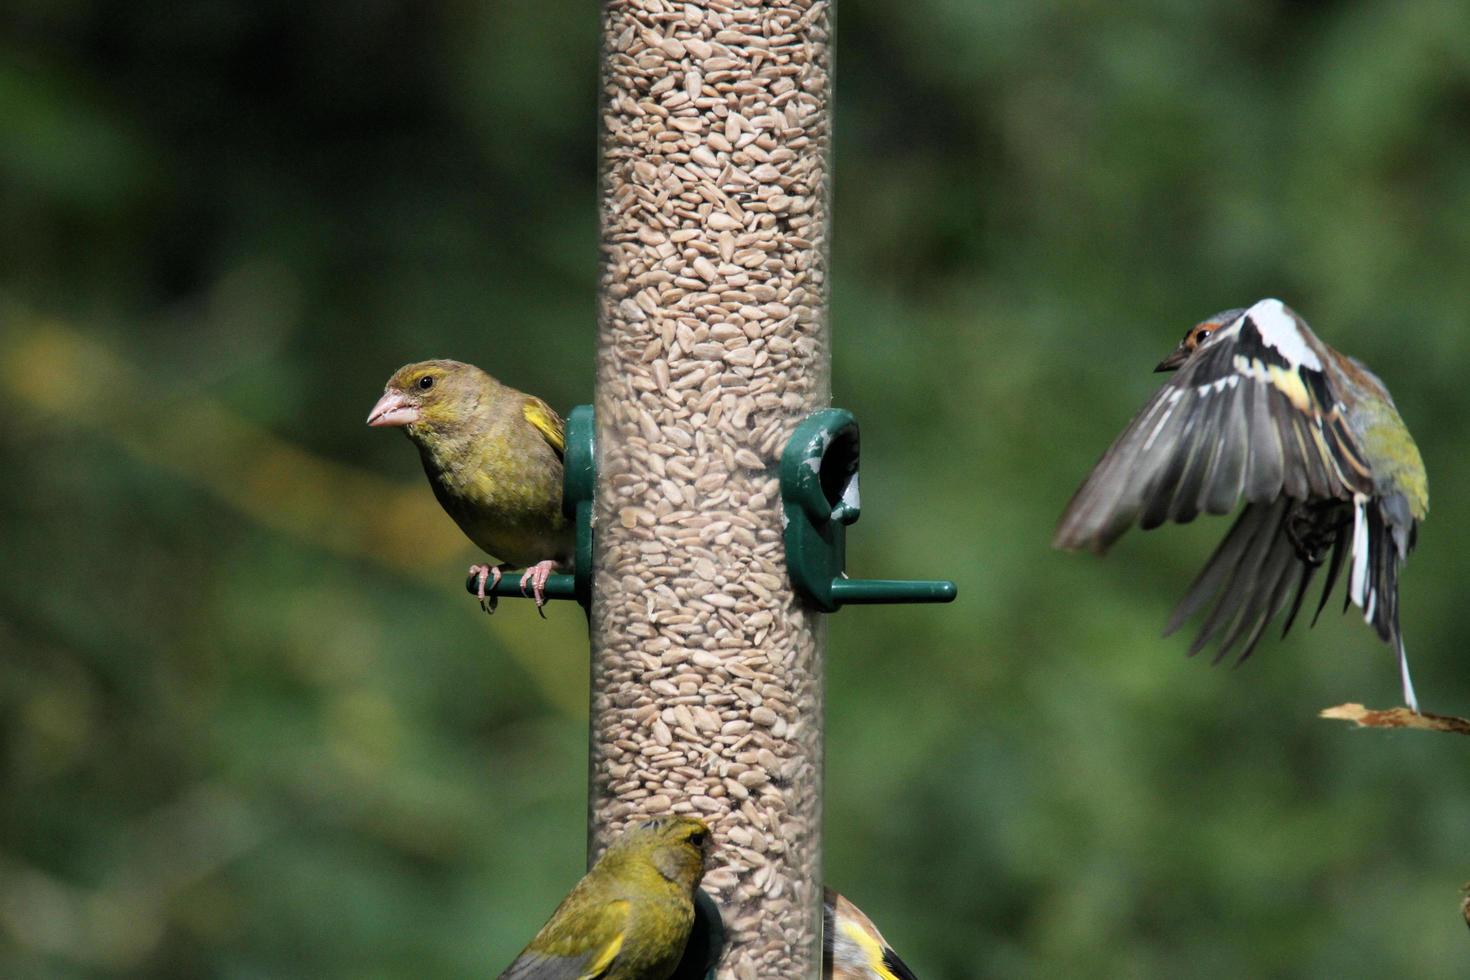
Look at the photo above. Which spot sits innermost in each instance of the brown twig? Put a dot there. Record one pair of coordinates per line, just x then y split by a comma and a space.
1396, 718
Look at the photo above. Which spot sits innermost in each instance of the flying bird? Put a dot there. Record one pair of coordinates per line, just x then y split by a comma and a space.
629, 918
493, 456
852, 947
1260, 408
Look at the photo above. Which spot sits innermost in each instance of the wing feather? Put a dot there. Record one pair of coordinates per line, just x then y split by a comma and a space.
1199, 458
1108, 502
533, 965
1226, 481
555, 954
1305, 579
1267, 595
546, 422
1334, 568
1213, 575
1158, 495
1242, 584
1264, 461
1239, 419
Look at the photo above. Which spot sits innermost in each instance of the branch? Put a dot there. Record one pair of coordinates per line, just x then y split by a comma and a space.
1396, 718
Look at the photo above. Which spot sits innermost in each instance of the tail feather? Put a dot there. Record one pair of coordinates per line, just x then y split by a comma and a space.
1410, 698
1391, 533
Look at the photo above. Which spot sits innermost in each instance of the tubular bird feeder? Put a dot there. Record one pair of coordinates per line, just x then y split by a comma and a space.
712, 348
711, 487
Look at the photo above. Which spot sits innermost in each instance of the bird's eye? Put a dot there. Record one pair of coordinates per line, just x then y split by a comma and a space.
426, 382
697, 838
1202, 336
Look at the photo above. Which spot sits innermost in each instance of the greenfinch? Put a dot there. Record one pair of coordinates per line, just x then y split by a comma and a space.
1262, 409
852, 947
629, 918
493, 456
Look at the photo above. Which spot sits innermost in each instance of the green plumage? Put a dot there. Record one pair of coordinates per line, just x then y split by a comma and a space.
629, 918
493, 456
1397, 465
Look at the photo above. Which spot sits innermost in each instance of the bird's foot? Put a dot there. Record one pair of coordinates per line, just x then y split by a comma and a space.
536, 577
481, 573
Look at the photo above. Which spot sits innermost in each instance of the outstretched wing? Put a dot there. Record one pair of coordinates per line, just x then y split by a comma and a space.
1256, 569
1270, 557
1252, 413
547, 422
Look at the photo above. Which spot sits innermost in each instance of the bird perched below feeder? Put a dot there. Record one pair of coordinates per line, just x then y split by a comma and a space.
1260, 408
852, 947
629, 918
494, 458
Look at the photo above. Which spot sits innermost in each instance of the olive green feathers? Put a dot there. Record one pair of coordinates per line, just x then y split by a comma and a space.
493, 456
629, 918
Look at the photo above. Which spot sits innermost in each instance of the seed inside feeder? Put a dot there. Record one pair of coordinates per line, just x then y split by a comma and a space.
713, 346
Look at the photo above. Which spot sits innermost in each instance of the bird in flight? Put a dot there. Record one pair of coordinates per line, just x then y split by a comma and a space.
1259, 408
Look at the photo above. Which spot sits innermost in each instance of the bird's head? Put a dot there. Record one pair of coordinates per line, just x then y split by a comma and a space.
1196, 338
677, 848
429, 394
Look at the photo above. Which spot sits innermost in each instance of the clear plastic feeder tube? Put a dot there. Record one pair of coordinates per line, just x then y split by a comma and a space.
712, 346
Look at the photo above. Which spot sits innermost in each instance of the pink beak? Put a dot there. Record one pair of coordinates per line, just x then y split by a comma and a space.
393, 408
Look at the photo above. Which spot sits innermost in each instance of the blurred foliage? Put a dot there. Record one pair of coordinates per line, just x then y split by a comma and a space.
252, 726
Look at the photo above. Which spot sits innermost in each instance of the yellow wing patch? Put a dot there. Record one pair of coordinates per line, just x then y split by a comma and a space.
547, 422
598, 966
1289, 383
870, 946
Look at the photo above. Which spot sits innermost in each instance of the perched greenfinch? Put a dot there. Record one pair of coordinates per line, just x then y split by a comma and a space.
852, 947
1262, 409
494, 458
629, 918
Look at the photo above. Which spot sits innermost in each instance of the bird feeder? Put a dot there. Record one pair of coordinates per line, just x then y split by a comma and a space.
712, 348
711, 488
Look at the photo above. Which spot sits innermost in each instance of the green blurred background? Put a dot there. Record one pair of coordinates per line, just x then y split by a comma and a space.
251, 724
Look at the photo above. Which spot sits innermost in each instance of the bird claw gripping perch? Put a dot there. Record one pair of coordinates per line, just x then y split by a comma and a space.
536, 577
579, 478
819, 494
478, 575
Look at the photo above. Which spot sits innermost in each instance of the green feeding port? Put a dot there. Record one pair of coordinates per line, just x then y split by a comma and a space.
819, 495
578, 482
819, 492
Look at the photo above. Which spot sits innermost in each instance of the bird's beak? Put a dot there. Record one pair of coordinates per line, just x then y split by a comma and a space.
393, 408
1175, 360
